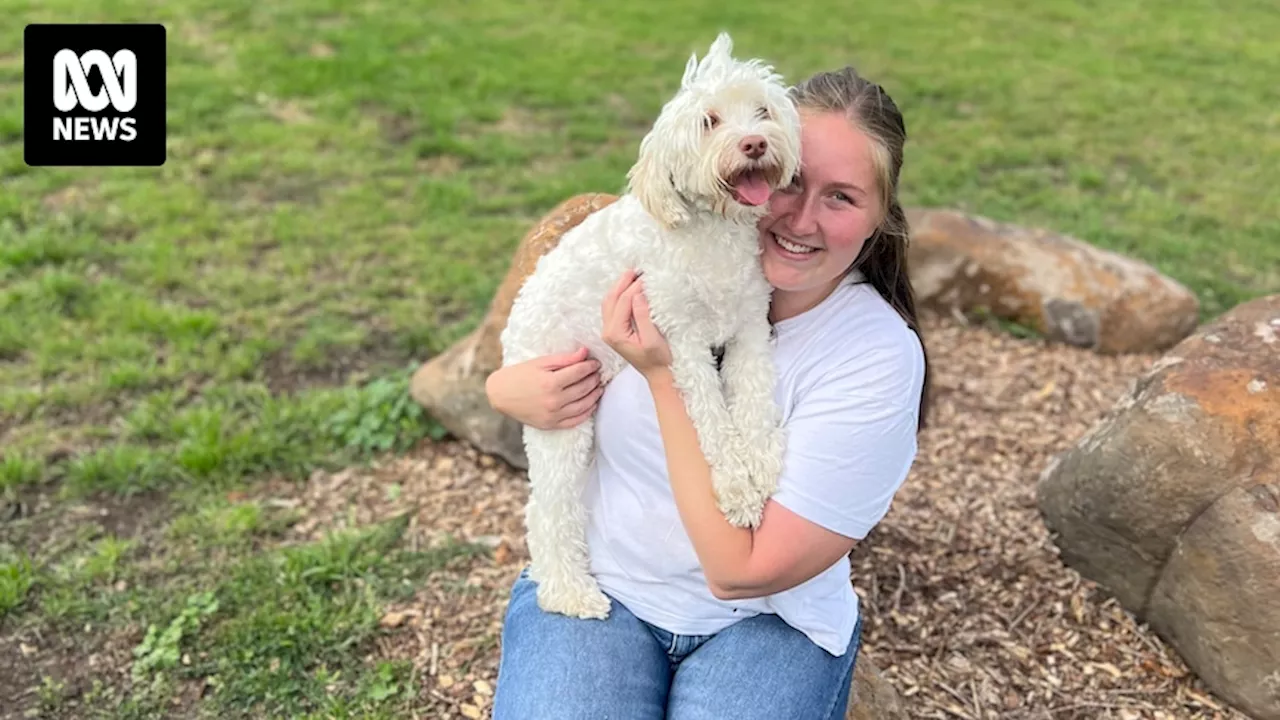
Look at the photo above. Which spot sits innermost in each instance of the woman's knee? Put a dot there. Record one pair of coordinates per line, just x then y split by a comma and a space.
553, 666
761, 668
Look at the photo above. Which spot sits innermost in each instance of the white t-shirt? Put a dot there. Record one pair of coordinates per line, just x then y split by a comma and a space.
850, 373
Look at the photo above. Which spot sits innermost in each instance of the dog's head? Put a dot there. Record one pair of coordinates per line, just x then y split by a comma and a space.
723, 144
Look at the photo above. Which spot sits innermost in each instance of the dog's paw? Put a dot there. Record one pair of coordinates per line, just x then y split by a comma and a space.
578, 597
743, 513
738, 498
764, 460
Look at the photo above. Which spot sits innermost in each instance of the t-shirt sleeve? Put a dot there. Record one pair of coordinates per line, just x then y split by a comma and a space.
851, 438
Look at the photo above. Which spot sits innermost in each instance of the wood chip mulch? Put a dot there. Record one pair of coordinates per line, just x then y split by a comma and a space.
969, 611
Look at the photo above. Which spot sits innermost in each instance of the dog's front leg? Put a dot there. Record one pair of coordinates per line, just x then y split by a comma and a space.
694, 372
749, 379
555, 517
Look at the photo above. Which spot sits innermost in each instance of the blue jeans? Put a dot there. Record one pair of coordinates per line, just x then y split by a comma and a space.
623, 668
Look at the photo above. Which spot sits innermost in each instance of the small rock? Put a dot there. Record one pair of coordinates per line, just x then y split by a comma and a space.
393, 620
27, 650
482, 687
445, 681
470, 711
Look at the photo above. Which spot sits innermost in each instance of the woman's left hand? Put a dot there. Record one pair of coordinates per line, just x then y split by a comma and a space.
629, 329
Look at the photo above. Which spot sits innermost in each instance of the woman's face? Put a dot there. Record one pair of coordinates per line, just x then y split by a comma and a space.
816, 227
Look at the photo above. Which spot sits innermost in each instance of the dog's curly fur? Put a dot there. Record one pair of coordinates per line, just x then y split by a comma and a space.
693, 236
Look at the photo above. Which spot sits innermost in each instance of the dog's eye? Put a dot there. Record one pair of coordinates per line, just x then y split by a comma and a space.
711, 120
762, 112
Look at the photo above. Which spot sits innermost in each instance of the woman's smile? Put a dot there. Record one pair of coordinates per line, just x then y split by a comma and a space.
791, 249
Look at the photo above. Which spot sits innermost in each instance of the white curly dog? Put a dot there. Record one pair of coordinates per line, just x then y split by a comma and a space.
687, 223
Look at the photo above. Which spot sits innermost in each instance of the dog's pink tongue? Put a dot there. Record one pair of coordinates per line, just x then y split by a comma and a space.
752, 188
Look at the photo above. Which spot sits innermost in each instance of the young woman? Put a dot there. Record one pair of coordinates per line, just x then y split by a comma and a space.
709, 620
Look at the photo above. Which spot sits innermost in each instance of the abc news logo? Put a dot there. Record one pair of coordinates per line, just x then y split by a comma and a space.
71, 89
94, 95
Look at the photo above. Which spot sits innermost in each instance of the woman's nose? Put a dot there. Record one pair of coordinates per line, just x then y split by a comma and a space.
801, 220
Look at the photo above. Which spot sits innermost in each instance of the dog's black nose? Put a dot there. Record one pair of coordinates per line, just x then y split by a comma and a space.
753, 146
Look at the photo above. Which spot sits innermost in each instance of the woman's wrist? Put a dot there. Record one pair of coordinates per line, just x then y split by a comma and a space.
658, 377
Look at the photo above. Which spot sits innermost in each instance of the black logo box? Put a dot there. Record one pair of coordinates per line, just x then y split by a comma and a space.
41, 42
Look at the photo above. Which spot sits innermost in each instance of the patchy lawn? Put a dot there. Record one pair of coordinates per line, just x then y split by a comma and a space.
345, 184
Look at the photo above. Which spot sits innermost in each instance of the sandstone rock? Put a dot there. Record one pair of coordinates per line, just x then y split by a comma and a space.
873, 698
1067, 290
1218, 599
450, 386
1172, 502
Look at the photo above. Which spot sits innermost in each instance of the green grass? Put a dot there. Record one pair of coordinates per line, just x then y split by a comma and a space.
346, 180
345, 184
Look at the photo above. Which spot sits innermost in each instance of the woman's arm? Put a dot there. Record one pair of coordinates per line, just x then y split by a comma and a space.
784, 551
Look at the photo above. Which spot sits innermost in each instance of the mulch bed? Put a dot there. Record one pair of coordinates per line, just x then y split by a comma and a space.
969, 611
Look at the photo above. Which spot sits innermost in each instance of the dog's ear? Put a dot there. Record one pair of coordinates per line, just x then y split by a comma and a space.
650, 181
690, 71
722, 49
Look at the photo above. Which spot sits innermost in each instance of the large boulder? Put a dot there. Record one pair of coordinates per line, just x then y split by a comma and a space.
450, 386
1172, 502
1065, 289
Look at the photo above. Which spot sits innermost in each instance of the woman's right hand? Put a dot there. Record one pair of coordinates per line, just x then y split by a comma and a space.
548, 392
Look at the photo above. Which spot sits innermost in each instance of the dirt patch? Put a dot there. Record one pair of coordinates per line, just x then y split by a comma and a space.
43, 526
968, 609
55, 673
